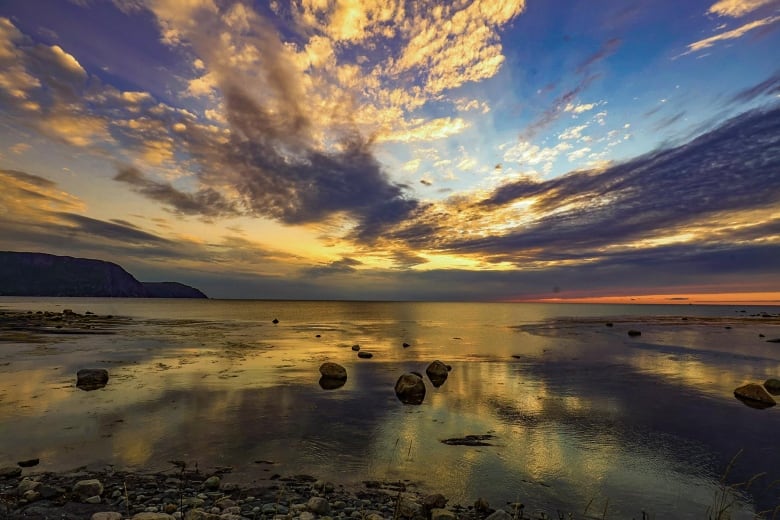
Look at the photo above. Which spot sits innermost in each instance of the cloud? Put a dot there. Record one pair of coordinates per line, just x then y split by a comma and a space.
337, 267
607, 49
768, 87
736, 8
733, 34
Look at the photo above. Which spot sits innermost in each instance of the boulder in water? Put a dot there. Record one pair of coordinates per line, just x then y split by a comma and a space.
91, 378
754, 396
410, 389
437, 373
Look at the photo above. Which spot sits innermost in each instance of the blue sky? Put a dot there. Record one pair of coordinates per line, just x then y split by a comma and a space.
398, 150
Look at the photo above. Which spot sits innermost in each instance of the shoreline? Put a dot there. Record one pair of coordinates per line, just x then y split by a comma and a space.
189, 494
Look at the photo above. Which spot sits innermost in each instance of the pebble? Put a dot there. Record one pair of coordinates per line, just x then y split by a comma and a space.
107, 515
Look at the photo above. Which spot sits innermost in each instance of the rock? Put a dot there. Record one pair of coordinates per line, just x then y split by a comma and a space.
437, 373
470, 440
331, 384
91, 378
318, 505
482, 505
88, 488
409, 508
152, 516
754, 396
410, 389
435, 501
107, 515
406, 345
633, 333
31, 495
10, 472
93, 500
355, 347
333, 371
29, 463
499, 514
307, 515
772, 386
773, 340
442, 514
49, 492
199, 514
610, 324
374, 516
365, 355
27, 484
212, 483
274, 321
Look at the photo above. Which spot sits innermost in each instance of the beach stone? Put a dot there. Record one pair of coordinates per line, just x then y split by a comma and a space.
435, 501
333, 371
499, 514
27, 484
482, 505
355, 347
754, 394
10, 472
318, 505
437, 372
212, 483
409, 508
199, 514
365, 355
31, 495
374, 516
148, 515
88, 488
29, 463
91, 378
442, 514
410, 389
634, 333
107, 515
230, 516
93, 500
49, 492
307, 515
772, 386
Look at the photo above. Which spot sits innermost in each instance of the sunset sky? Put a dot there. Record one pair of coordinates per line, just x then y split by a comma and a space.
391, 149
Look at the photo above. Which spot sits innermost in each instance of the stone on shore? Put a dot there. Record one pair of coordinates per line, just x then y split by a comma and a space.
212, 483
10, 472
318, 505
408, 508
153, 516
107, 515
91, 378
634, 333
437, 372
355, 347
333, 371
410, 389
442, 514
29, 463
754, 395
772, 386
365, 355
499, 514
435, 501
88, 488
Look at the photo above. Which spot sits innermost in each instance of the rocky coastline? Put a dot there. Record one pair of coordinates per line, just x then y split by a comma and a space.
189, 494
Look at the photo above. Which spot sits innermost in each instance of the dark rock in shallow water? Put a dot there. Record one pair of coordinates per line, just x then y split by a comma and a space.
410, 389
406, 345
355, 347
29, 463
437, 373
435, 501
91, 378
773, 340
634, 333
274, 321
333, 372
365, 355
772, 386
754, 395
469, 440
327, 383
610, 324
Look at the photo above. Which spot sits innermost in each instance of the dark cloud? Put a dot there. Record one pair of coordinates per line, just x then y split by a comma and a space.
109, 230
607, 49
342, 266
28, 178
768, 87
556, 108
206, 201
733, 168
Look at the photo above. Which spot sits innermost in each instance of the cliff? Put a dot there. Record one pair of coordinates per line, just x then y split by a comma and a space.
40, 274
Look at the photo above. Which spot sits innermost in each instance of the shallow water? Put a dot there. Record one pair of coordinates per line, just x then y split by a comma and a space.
581, 413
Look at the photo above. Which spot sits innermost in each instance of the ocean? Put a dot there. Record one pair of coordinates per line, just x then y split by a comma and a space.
581, 417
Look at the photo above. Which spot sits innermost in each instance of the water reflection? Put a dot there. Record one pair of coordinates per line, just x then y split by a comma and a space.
583, 413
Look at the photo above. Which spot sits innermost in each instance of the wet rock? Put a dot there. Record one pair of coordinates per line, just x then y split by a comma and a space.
442, 514
754, 396
610, 324
27, 484
91, 378
93, 500
274, 321
772, 386
410, 389
88, 488
482, 505
48, 492
408, 508
212, 483
318, 505
470, 440
333, 371
29, 463
773, 340
434, 501
634, 333
307, 515
406, 345
147, 515
10, 472
355, 347
365, 355
437, 372
500, 514
31, 496
107, 515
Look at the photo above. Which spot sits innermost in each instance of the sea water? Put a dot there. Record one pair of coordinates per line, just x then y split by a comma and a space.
582, 417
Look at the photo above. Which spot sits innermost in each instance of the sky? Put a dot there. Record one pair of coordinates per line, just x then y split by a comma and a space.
527, 150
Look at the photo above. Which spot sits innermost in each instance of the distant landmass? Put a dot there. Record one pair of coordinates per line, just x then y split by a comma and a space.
40, 274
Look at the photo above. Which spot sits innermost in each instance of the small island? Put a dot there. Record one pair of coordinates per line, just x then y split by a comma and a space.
41, 274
